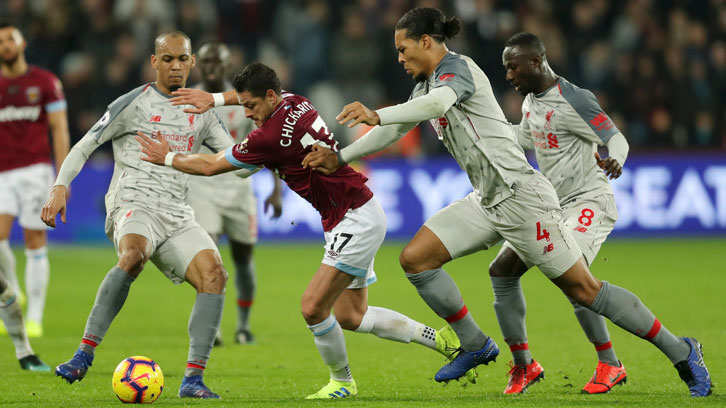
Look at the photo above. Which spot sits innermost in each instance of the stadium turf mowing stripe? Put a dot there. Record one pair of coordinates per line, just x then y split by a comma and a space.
682, 281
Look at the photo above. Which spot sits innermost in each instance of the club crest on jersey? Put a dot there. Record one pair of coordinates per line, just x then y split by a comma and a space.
548, 119
155, 118
191, 121
32, 93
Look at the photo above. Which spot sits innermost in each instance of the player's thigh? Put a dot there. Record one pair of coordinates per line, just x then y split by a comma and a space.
134, 220
532, 223
351, 245
36, 182
6, 224
590, 222
175, 254
462, 227
323, 291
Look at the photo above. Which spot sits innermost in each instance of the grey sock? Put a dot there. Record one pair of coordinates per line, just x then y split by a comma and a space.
597, 332
627, 311
203, 323
442, 295
246, 284
110, 298
511, 310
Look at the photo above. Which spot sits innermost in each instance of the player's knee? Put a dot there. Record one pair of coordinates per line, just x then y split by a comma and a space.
411, 261
497, 269
312, 312
584, 294
215, 279
132, 260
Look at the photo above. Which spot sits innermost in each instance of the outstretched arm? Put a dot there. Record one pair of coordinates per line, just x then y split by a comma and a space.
430, 106
202, 101
159, 153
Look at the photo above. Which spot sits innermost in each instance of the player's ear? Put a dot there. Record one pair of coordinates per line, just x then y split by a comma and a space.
425, 41
194, 60
153, 61
270, 95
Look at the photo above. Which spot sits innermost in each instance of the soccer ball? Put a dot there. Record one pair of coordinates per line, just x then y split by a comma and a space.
138, 380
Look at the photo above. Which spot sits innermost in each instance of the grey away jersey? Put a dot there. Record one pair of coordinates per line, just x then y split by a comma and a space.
564, 124
475, 131
227, 190
156, 188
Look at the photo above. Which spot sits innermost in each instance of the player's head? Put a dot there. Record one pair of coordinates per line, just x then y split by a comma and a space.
525, 62
12, 44
213, 58
258, 90
419, 38
172, 60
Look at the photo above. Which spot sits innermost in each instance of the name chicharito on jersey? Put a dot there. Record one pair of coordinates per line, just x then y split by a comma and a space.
291, 120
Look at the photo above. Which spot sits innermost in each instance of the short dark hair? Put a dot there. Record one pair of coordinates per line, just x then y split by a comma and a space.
431, 21
526, 40
257, 78
172, 33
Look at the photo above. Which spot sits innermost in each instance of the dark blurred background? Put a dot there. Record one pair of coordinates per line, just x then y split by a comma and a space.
657, 67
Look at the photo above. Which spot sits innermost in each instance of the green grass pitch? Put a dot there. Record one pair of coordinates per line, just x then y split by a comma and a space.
681, 281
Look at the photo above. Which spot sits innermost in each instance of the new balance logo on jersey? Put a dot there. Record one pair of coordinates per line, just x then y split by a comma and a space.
548, 248
580, 228
155, 118
446, 77
443, 122
601, 122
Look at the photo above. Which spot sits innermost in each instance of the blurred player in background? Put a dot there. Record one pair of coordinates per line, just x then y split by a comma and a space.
564, 124
510, 201
226, 203
353, 221
31, 102
148, 217
12, 316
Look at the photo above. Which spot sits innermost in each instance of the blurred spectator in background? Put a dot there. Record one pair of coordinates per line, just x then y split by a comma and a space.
660, 65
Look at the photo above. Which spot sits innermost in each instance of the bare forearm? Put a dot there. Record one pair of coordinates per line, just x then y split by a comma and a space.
61, 137
202, 164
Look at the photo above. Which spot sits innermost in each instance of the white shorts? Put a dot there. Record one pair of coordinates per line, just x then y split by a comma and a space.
174, 242
531, 220
220, 212
352, 245
23, 192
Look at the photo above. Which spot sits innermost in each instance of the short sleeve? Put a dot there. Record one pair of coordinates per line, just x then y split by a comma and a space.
53, 98
454, 72
249, 153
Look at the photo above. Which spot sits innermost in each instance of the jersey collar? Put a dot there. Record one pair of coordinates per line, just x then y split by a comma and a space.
543, 93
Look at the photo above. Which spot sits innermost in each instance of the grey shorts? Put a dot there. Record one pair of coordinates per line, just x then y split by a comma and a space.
531, 220
174, 242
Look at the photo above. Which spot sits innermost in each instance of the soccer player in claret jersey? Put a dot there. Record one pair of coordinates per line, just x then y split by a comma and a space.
511, 200
354, 223
226, 204
564, 124
148, 217
31, 102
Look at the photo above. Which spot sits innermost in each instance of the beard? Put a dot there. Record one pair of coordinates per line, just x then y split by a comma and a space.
173, 88
11, 60
420, 77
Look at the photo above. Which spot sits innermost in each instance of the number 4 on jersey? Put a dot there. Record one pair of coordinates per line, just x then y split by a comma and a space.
542, 233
